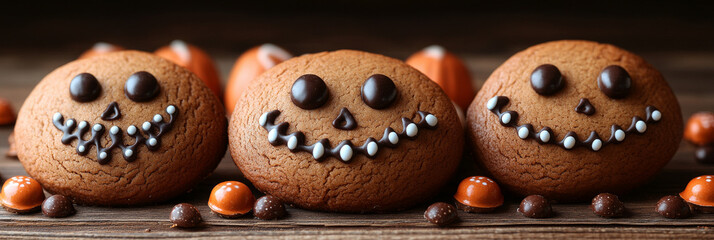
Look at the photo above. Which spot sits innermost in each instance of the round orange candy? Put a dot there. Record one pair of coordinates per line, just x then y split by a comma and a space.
700, 191
231, 199
700, 128
21, 194
447, 70
195, 60
478, 194
249, 65
99, 49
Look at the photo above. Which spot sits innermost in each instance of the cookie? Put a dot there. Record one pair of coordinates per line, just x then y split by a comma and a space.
121, 128
570, 119
346, 131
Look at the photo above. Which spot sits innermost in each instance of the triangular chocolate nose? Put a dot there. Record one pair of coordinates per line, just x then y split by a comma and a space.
112, 112
345, 120
585, 107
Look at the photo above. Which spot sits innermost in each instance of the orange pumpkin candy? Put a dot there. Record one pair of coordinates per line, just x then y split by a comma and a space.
447, 70
195, 60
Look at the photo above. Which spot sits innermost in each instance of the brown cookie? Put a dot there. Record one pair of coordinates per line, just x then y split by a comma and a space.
385, 148
121, 128
571, 119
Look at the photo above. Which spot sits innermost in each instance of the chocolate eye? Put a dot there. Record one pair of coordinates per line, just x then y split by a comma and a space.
84, 88
546, 80
614, 81
378, 91
309, 92
141, 87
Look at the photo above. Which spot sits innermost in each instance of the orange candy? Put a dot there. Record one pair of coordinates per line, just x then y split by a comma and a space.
231, 199
252, 63
478, 194
7, 114
448, 71
700, 192
99, 49
195, 60
700, 128
21, 194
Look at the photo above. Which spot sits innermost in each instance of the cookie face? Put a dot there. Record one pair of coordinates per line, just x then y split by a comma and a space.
346, 131
570, 119
120, 129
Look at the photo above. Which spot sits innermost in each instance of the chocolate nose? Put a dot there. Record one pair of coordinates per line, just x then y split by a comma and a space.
112, 112
344, 121
585, 107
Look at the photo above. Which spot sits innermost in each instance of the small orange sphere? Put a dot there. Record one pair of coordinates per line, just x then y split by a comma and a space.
231, 199
195, 60
99, 49
700, 191
478, 194
249, 65
700, 128
21, 194
7, 113
447, 70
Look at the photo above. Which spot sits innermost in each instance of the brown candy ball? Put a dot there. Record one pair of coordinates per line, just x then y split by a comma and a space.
268, 208
673, 206
608, 205
535, 206
441, 214
58, 206
185, 215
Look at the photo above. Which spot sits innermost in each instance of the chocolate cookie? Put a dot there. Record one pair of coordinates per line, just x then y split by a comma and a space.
120, 129
346, 131
571, 119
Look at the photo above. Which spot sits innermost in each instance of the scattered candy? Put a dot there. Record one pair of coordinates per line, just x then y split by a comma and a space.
58, 206
21, 194
441, 214
478, 195
447, 70
185, 215
231, 199
673, 206
700, 128
7, 114
699, 193
268, 208
608, 205
535, 206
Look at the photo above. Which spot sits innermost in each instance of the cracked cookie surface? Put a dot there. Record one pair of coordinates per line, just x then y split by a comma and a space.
172, 157
563, 171
396, 177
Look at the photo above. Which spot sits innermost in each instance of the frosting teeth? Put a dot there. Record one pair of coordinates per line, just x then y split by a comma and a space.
158, 118
146, 126
318, 150
412, 130
152, 141
372, 148
346, 153
273, 135
131, 130
82, 124
69, 123
431, 120
97, 127
544, 136
128, 152
619, 135
171, 109
263, 119
114, 130
597, 144
656, 115
393, 138
569, 142
56, 116
523, 132
491, 104
102, 155
81, 148
506, 118
641, 126
292, 143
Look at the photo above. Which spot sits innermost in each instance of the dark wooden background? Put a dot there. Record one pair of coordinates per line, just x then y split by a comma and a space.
676, 37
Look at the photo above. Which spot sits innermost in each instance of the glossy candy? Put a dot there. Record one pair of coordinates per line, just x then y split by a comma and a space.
535, 206
478, 194
700, 193
441, 214
21, 194
700, 128
231, 199
58, 206
608, 205
268, 208
673, 206
185, 215
615, 82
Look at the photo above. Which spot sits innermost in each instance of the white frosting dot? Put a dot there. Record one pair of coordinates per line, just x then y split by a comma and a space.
57, 116
346, 153
412, 130
69, 123
146, 126
619, 135
114, 130
171, 109
372, 148
131, 130
544, 136
393, 138
81, 148
641, 126
152, 141
97, 127
656, 115
263, 119
569, 142
523, 133
128, 152
292, 142
158, 118
491, 104
597, 144
102, 155
318, 150
431, 120
273, 135
82, 124
506, 118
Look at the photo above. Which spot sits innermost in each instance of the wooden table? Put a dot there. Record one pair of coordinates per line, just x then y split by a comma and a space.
691, 74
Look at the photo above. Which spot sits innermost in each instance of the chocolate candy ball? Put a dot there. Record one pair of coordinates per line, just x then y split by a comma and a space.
608, 205
535, 206
185, 215
673, 206
441, 214
268, 208
58, 206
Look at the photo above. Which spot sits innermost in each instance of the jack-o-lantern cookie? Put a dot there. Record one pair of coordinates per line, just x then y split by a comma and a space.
121, 128
346, 131
571, 119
